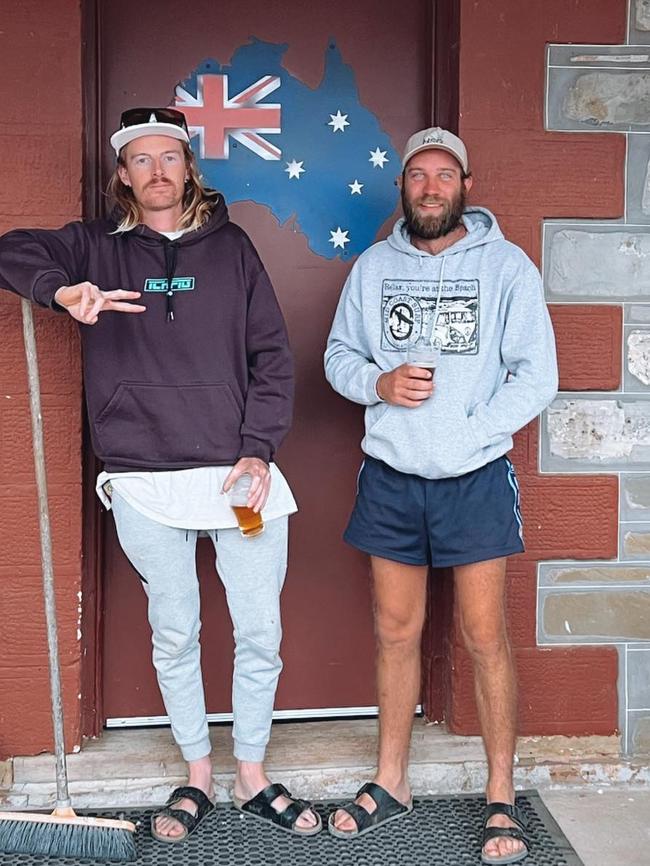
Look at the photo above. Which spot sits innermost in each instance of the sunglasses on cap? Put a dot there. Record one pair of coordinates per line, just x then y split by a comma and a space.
137, 116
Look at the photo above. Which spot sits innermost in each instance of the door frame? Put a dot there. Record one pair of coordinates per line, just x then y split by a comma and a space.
443, 102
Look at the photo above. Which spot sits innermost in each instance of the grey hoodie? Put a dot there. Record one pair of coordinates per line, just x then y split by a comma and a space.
483, 298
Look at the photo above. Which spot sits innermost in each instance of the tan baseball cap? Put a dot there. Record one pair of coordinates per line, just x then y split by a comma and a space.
436, 138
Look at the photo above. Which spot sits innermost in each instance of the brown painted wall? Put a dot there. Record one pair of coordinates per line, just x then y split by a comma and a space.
525, 175
522, 173
40, 142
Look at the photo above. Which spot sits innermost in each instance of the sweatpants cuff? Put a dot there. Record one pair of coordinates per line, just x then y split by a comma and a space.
196, 750
246, 752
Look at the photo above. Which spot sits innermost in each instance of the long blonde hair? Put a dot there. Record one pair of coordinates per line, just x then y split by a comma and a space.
198, 201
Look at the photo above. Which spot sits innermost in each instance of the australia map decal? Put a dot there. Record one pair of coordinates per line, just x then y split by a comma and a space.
317, 156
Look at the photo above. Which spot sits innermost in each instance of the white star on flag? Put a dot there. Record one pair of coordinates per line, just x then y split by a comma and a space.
295, 169
355, 187
378, 158
339, 121
339, 238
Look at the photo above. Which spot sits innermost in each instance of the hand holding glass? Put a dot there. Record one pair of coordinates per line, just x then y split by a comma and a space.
250, 522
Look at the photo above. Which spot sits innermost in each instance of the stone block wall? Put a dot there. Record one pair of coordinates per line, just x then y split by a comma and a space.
40, 141
600, 423
528, 174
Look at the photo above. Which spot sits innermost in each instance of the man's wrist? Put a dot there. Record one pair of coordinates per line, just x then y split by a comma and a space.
378, 387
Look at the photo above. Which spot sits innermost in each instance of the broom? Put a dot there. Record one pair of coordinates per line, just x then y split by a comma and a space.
61, 833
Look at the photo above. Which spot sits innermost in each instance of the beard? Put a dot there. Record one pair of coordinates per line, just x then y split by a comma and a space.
430, 228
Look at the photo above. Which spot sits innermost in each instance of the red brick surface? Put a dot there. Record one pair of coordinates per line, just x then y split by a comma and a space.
588, 346
524, 175
40, 140
553, 697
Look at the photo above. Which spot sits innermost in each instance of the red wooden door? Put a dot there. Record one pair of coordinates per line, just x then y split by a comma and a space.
328, 645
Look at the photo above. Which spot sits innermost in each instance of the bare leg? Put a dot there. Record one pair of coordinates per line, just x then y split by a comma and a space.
251, 778
480, 601
400, 604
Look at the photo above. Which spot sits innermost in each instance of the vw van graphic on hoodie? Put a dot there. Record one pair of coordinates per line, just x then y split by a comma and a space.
482, 298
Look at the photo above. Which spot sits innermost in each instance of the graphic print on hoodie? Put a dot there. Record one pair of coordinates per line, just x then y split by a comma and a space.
447, 312
483, 298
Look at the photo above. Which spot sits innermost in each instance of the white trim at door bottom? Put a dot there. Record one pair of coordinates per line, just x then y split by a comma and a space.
322, 713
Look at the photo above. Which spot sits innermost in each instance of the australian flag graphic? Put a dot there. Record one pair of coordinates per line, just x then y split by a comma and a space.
318, 156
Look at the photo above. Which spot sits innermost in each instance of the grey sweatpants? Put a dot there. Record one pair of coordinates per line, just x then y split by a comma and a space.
252, 571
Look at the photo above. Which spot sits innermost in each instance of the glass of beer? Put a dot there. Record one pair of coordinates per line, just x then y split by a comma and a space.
424, 353
250, 522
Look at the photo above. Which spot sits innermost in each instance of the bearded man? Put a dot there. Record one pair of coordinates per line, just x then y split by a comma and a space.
436, 488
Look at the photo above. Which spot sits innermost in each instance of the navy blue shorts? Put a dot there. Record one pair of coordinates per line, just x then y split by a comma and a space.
441, 522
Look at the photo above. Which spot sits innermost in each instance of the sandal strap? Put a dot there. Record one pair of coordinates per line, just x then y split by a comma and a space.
519, 833
386, 803
386, 807
289, 816
196, 795
513, 812
504, 833
265, 797
361, 817
188, 820
260, 805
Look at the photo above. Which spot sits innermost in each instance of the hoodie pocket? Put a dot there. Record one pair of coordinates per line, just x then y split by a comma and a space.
434, 440
168, 424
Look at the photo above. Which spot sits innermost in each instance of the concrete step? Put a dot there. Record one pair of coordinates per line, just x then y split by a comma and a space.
319, 760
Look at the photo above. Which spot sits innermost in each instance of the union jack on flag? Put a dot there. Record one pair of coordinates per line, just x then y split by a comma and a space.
215, 117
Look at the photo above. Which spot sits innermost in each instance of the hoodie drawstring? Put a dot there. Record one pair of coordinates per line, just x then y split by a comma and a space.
435, 318
171, 250
430, 335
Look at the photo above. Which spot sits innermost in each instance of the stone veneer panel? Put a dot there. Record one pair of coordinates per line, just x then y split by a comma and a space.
596, 262
596, 87
616, 99
638, 180
638, 733
641, 12
636, 376
635, 497
634, 541
638, 679
637, 314
596, 432
594, 574
594, 616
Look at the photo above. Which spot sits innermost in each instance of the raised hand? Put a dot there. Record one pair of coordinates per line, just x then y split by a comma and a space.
85, 301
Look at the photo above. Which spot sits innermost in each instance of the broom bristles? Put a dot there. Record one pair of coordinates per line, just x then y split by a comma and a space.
76, 836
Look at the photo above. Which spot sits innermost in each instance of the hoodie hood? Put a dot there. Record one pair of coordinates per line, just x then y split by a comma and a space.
143, 234
482, 228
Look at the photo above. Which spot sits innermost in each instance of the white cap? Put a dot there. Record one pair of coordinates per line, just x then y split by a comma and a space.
154, 125
436, 138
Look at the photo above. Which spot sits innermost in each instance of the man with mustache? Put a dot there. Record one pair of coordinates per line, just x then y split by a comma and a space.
185, 393
436, 488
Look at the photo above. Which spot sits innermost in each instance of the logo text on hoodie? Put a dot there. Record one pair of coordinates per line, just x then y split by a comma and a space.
409, 311
179, 284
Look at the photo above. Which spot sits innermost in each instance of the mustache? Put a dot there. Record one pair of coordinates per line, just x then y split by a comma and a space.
158, 181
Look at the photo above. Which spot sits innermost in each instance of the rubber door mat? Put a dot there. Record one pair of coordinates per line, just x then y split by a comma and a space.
441, 831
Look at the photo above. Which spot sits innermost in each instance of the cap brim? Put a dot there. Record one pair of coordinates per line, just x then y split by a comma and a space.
130, 133
450, 150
